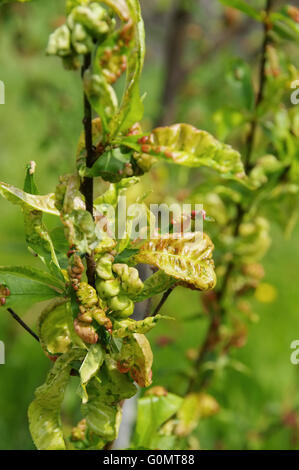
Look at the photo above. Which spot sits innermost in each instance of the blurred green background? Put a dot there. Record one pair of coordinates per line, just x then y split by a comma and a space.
41, 121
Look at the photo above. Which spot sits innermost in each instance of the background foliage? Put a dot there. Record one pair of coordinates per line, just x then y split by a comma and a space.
42, 120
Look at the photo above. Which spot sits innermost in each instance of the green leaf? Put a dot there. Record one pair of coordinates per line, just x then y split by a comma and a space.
183, 144
105, 391
243, 6
37, 236
35, 275
79, 224
101, 96
187, 259
152, 412
240, 78
29, 184
24, 292
55, 327
154, 285
17, 196
110, 166
44, 412
284, 26
137, 356
90, 366
131, 107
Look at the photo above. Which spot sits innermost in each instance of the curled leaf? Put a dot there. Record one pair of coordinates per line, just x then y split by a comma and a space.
127, 327
131, 107
185, 145
44, 412
187, 259
17, 196
55, 325
90, 366
137, 356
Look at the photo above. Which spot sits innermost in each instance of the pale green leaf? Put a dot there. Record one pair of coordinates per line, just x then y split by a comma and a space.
102, 411
90, 366
55, 327
124, 328
152, 412
44, 412
17, 196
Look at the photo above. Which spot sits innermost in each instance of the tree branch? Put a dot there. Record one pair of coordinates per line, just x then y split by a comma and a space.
174, 70
162, 302
215, 323
87, 184
261, 91
23, 324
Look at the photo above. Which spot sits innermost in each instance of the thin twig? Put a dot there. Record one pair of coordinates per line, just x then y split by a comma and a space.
87, 184
174, 53
261, 91
23, 324
162, 301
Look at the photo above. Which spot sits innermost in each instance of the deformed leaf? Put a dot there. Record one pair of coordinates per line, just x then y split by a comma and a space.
187, 259
127, 327
90, 366
120, 7
17, 196
37, 236
131, 107
185, 145
44, 412
105, 391
78, 223
136, 355
55, 325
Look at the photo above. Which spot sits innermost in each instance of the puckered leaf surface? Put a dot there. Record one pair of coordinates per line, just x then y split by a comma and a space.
187, 259
185, 145
55, 327
17, 196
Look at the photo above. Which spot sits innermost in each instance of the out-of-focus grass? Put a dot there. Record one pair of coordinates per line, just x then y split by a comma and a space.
41, 121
